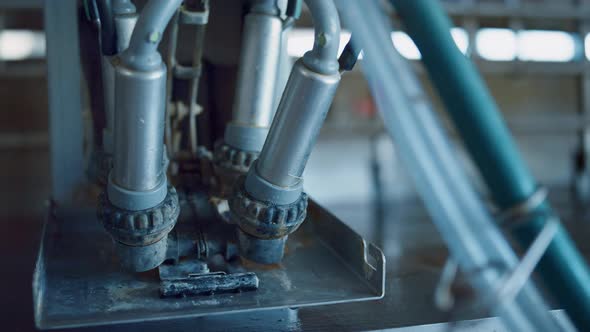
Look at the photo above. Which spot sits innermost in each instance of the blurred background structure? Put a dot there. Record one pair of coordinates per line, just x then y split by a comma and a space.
533, 54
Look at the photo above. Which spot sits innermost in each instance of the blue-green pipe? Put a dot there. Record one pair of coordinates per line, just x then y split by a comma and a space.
478, 121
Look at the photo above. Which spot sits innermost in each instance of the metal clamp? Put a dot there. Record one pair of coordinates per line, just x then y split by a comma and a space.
512, 281
522, 211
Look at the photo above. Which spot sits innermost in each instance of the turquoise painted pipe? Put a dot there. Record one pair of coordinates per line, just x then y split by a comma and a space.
478, 121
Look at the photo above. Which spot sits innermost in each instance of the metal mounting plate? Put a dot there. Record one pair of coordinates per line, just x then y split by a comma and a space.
78, 281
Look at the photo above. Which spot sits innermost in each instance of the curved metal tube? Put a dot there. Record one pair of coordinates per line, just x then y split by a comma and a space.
304, 104
300, 116
143, 48
138, 178
323, 58
276, 177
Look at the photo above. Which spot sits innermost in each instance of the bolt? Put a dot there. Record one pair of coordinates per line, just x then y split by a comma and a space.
154, 37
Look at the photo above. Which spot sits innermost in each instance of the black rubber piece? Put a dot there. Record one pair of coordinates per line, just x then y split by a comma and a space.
108, 34
349, 55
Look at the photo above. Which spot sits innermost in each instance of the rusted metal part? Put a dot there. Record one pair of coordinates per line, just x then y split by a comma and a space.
266, 220
79, 282
141, 237
196, 15
209, 284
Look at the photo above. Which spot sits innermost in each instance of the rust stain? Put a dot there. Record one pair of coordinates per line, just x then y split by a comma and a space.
251, 265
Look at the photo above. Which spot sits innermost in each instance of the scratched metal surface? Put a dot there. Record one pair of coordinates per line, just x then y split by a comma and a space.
79, 281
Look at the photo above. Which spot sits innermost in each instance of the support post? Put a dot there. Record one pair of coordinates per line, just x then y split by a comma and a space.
63, 84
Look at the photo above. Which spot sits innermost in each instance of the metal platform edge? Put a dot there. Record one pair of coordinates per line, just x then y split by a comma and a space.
368, 264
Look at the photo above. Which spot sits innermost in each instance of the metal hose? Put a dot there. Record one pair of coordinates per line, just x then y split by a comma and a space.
305, 102
323, 57
143, 47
